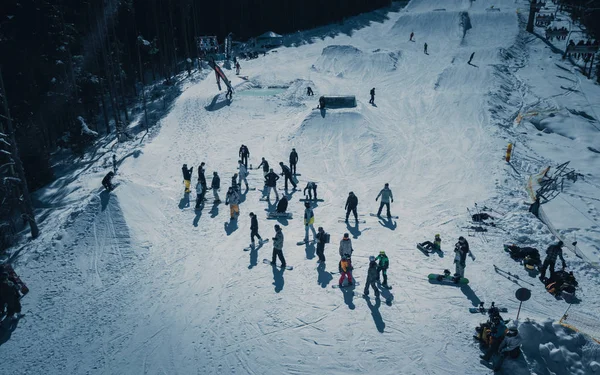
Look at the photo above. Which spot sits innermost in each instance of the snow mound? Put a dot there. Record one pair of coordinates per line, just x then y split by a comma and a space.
349, 61
436, 5
443, 29
486, 26
296, 93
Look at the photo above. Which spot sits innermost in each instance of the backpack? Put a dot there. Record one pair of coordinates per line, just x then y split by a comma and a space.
326, 237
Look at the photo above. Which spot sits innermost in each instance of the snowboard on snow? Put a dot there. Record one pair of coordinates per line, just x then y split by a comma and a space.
260, 243
426, 251
279, 215
351, 220
266, 261
12, 276
447, 278
337, 286
381, 216
310, 200
300, 243
484, 310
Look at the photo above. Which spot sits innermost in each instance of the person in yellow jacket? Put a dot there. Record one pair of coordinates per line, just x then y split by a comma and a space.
309, 220
187, 177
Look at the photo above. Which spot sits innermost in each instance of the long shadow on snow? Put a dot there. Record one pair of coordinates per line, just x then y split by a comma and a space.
354, 230
375, 313
389, 223
214, 211
254, 255
470, 294
349, 296
278, 278
385, 293
104, 198
310, 250
185, 201
215, 106
324, 277
198, 215
7, 330
230, 226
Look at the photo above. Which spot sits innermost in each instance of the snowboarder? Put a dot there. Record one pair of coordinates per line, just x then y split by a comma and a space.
9, 295
199, 194
425, 48
243, 174
372, 277
436, 245
372, 93
510, 347
346, 246
287, 173
233, 200
293, 160
322, 239
351, 204
311, 187
201, 175
271, 184
461, 248
282, 205
234, 181
384, 264
216, 185
345, 268
265, 166
114, 163
244, 154
107, 181
309, 220
553, 252
187, 177
386, 196
254, 229
321, 103
412, 34
309, 91
278, 246
237, 68
471, 58
229, 94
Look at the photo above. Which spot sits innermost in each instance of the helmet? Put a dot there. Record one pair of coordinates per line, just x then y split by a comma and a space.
251, 213
371, 258
437, 235
382, 252
346, 235
461, 239
386, 184
306, 204
280, 163
351, 193
560, 243
185, 165
277, 227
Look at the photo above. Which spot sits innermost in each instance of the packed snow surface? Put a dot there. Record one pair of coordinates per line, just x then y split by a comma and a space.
137, 282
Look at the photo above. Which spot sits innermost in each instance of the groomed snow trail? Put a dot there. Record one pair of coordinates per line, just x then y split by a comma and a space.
153, 287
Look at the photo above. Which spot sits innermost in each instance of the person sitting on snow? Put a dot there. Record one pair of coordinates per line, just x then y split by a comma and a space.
436, 245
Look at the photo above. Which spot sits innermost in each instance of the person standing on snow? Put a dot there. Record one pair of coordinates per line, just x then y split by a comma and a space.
311, 187
254, 229
114, 163
345, 268
309, 220
243, 174
461, 250
372, 93
233, 200
201, 176
265, 166
293, 160
199, 194
321, 241
187, 177
384, 264
552, 253
9, 295
372, 277
386, 196
107, 181
216, 185
287, 173
234, 181
271, 184
346, 246
425, 48
309, 91
412, 34
237, 68
244, 154
351, 204
278, 247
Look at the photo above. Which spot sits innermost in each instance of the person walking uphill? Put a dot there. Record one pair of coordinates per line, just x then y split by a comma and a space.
553, 252
244, 154
287, 173
345, 268
278, 246
372, 277
187, 177
460, 258
351, 204
233, 200
309, 220
386, 196
215, 186
372, 93
293, 160
271, 184
254, 229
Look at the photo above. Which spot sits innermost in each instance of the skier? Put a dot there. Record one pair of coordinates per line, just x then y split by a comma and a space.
282, 205
287, 173
243, 174
278, 246
271, 184
384, 264
237, 68
309, 91
265, 166
114, 163
471, 58
187, 177
107, 181
412, 34
553, 252
372, 277
309, 220
216, 185
312, 189
321, 241
510, 346
229, 94
9, 295
201, 175
425, 48
351, 204
244, 154
462, 250
345, 268
436, 245
386, 195
372, 92
346, 246
233, 200
234, 181
199, 194
293, 160
254, 229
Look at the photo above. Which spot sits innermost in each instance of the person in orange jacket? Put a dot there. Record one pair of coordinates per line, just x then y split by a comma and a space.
345, 268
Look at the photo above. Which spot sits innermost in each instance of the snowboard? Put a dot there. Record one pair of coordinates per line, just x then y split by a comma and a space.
275, 215
297, 174
448, 279
484, 310
372, 298
12, 276
337, 286
266, 261
260, 243
292, 189
426, 251
300, 243
311, 200
381, 216
351, 220
386, 287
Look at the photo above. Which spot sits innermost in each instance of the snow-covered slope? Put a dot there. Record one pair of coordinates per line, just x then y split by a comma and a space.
137, 282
